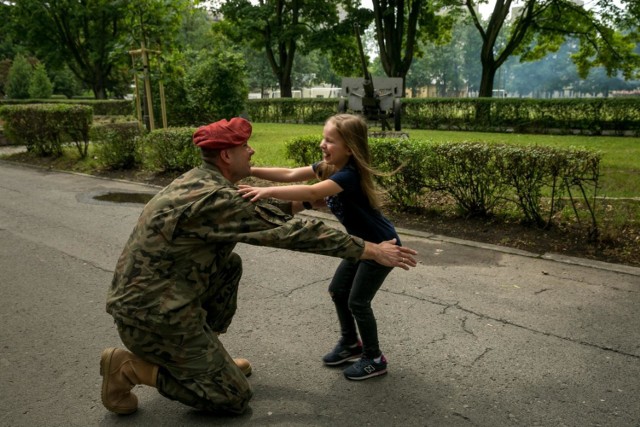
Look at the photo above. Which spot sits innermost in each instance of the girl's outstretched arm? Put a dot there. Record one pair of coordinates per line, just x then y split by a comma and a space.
304, 173
300, 193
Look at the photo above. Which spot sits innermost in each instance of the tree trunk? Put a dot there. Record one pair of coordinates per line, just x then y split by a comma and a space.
486, 82
285, 86
99, 92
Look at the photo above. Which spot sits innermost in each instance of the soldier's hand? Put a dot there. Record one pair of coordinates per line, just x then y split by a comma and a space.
391, 255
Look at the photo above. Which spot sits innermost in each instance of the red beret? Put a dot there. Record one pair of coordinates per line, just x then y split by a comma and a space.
223, 134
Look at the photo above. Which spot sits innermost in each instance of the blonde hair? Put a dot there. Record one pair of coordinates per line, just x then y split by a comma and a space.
354, 133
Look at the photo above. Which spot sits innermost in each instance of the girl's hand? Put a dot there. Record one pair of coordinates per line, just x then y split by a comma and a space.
255, 193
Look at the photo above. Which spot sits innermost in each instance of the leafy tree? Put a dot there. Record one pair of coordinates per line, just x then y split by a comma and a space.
17, 86
10, 45
216, 86
557, 73
541, 26
156, 24
40, 87
471, 45
174, 66
5, 66
399, 24
323, 70
65, 82
195, 32
83, 35
259, 74
443, 67
281, 28
93, 37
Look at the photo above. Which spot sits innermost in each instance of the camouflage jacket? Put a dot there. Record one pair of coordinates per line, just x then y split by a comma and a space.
187, 231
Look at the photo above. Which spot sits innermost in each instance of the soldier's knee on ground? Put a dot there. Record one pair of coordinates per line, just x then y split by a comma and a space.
240, 403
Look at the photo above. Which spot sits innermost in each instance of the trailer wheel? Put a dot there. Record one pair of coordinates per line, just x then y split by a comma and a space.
342, 106
397, 113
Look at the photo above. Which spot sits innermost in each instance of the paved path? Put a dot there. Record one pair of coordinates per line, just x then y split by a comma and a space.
475, 336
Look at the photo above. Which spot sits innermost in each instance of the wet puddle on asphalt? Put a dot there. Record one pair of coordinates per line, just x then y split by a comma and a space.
111, 197
118, 197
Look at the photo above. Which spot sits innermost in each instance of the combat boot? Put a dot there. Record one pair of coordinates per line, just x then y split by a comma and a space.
121, 371
244, 366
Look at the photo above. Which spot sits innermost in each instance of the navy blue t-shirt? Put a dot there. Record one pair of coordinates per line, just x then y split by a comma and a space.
353, 210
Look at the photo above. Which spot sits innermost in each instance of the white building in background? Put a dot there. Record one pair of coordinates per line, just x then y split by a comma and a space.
321, 92
306, 92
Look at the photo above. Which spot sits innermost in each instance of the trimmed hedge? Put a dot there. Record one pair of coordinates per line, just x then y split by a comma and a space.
291, 110
481, 178
101, 107
172, 149
44, 128
118, 144
616, 116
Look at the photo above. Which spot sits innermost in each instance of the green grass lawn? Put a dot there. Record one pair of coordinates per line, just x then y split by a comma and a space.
620, 165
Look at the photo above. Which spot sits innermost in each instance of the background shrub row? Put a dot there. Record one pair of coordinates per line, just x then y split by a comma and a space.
618, 116
588, 115
101, 107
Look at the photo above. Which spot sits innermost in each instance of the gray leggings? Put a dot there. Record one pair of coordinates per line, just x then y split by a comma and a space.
352, 289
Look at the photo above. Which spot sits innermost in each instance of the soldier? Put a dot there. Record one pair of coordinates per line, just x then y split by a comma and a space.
175, 285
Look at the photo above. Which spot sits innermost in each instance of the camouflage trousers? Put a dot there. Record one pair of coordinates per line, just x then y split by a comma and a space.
195, 368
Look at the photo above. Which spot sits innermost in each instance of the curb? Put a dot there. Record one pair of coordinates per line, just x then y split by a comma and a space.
549, 256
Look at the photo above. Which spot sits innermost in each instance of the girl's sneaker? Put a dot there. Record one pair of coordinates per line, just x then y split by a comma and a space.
366, 368
343, 353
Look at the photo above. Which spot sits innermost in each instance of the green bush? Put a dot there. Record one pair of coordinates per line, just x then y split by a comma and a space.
65, 83
290, 110
467, 172
44, 128
40, 87
617, 116
402, 161
216, 87
304, 150
100, 107
17, 86
171, 149
118, 144
481, 178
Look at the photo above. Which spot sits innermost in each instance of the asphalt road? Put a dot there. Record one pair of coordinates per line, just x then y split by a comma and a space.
475, 335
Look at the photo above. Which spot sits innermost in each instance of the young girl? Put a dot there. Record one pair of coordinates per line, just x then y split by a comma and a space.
346, 184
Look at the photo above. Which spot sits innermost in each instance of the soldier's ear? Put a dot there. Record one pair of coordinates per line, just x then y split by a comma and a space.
225, 156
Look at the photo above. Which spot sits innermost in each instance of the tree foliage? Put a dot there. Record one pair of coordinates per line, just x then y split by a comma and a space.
19, 77
156, 24
444, 66
65, 82
538, 27
400, 24
82, 35
216, 86
282, 28
40, 87
93, 37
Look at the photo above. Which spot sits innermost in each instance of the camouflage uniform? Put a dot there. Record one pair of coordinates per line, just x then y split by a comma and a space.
175, 285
